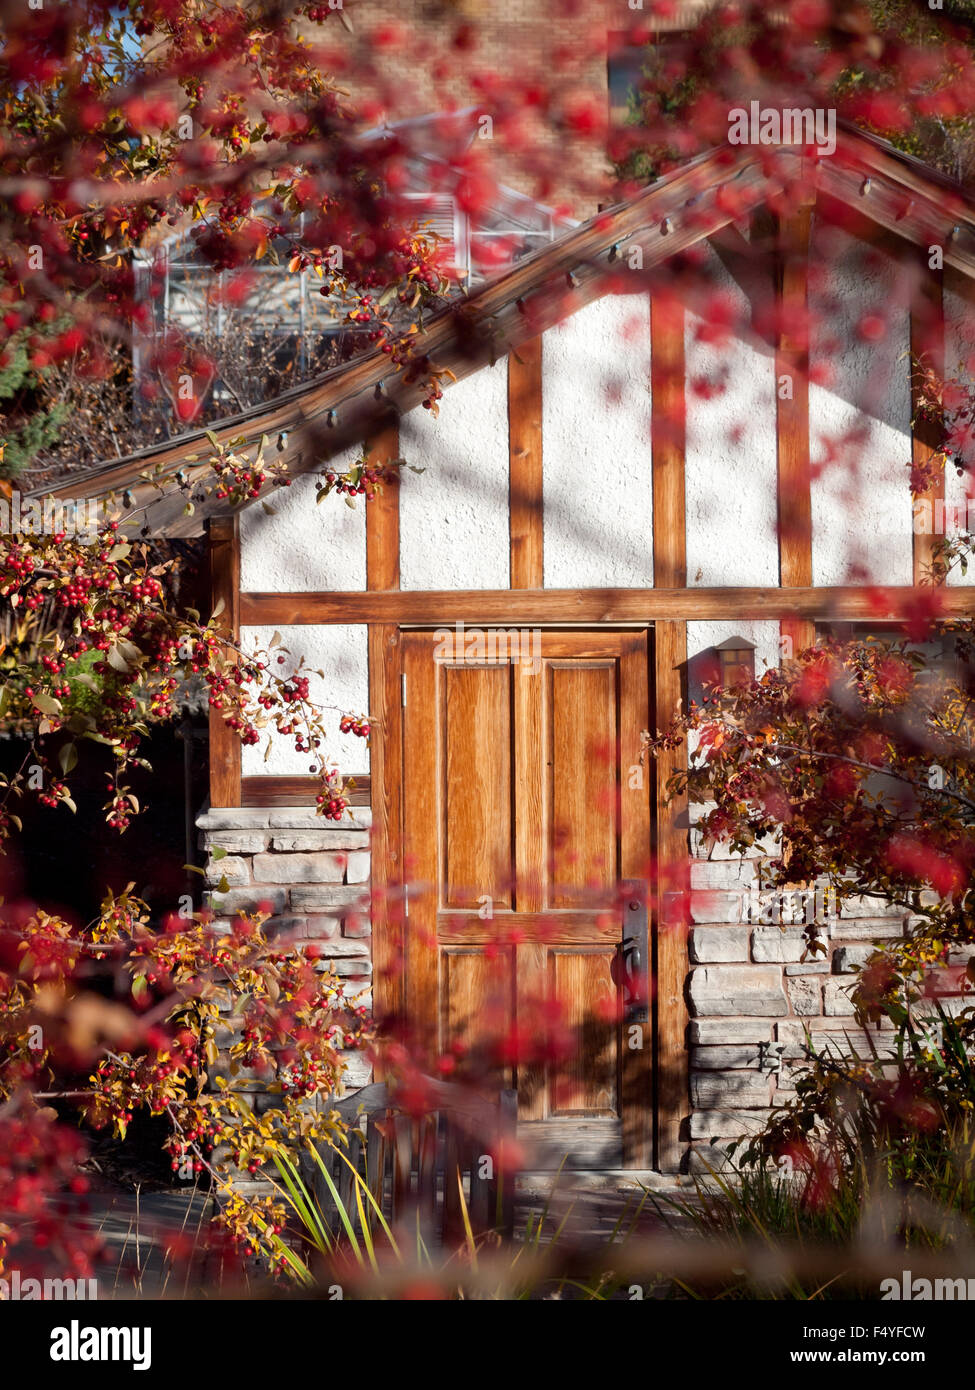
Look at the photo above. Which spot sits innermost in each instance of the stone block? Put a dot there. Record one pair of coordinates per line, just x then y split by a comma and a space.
705, 1159
721, 1090
728, 1031
717, 905
234, 818
720, 1058
317, 841
249, 900
805, 995
872, 929
231, 867
234, 841
727, 1124
738, 874
847, 959
870, 907
779, 944
836, 999
357, 866
327, 898
297, 868
357, 924
307, 818
730, 990
718, 944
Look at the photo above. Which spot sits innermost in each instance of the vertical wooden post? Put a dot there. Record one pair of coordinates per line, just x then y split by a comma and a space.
386, 712
383, 573
225, 588
525, 465
668, 438
673, 872
668, 447
382, 513
927, 355
792, 420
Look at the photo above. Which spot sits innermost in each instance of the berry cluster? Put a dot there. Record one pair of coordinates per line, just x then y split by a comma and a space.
350, 725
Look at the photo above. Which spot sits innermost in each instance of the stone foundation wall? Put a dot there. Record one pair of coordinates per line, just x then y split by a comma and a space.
314, 877
753, 996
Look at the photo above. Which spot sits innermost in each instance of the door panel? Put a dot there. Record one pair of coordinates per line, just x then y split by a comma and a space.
520, 817
476, 832
580, 715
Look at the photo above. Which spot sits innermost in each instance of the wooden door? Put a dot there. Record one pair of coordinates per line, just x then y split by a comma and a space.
524, 806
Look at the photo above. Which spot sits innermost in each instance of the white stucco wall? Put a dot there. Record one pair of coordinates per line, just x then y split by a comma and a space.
959, 311
860, 416
730, 468
596, 461
340, 651
304, 546
454, 517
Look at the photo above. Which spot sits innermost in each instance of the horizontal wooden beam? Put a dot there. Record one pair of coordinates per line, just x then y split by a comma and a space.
295, 791
517, 607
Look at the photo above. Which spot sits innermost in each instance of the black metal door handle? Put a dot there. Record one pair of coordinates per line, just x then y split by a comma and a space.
635, 949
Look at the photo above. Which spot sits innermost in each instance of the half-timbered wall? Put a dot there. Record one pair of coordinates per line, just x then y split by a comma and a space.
630, 467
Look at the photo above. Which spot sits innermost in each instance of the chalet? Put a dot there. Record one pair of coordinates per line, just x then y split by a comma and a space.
617, 492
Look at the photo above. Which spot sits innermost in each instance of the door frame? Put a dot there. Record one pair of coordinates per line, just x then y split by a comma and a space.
669, 836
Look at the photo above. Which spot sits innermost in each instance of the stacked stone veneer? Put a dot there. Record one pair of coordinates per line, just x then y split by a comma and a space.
753, 998
313, 874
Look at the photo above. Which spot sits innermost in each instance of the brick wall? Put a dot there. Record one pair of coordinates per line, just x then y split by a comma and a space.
519, 44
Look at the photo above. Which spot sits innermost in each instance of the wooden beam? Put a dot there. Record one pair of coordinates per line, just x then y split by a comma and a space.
430, 608
927, 357
668, 431
225, 589
296, 791
382, 513
902, 200
386, 752
525, 464
794, 491
672, 855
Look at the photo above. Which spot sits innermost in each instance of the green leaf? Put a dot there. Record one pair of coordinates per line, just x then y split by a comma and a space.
68, 757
